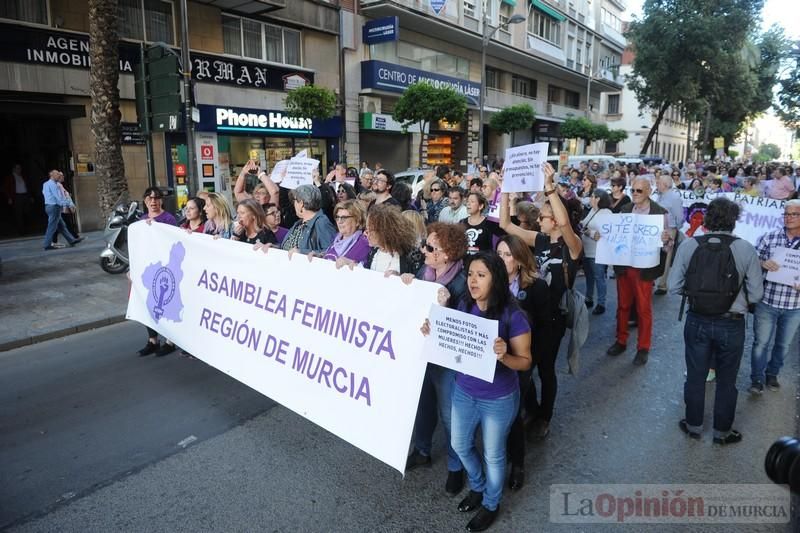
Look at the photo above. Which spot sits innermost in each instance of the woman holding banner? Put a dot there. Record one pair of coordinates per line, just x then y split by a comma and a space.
493, 405
533, 297
313, 231
251, 225
557, 249
393, 240
350, 243
218, 211
444, 249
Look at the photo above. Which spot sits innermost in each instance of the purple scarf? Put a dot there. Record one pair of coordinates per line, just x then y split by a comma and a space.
447, 277
341, 245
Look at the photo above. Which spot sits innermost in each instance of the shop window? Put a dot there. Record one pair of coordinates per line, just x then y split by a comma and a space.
611, 147
613, 104
24, 10
253, 39
572, 99
545, 27
147, 20
523, 86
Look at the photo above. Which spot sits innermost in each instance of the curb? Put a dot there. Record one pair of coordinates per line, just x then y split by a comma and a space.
50, 335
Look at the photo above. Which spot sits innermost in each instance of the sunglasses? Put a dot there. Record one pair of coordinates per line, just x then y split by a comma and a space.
430, 249
639, 191
436, 190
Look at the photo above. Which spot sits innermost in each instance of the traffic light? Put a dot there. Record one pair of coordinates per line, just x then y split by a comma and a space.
158, 90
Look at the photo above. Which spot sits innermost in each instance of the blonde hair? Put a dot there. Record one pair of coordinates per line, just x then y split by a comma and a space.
223, 209
355, 209
418, 221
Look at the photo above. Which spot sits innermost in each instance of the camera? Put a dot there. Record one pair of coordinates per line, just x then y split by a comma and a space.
782, 463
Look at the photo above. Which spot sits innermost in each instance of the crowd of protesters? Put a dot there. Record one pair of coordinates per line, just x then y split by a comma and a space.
510, 257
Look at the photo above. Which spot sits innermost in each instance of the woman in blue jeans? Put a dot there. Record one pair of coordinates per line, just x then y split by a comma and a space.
493, 405
600, 202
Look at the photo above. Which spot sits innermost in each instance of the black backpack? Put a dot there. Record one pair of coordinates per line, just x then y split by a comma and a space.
711, 283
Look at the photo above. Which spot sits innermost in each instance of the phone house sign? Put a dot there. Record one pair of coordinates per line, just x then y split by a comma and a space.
273, 121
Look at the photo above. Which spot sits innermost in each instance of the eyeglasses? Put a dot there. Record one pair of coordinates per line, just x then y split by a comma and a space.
430, 249
273, 213
436, 190
342, 218
542, 217
639, 191
791, 215
379, 180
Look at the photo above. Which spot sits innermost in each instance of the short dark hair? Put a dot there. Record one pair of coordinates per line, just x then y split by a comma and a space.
402, 193
721, 215
458, 190
476, 181
155, 191
389, 177
619, 182
603, 199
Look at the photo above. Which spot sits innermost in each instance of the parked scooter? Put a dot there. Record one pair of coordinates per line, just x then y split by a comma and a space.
114, 259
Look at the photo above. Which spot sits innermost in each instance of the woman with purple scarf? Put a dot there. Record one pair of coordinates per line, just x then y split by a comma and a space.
350, 243
444, 250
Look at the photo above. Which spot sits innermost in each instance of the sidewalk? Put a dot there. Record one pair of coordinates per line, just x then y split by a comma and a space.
49, 294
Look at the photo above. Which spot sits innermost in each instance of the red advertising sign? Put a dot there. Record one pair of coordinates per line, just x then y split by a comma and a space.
207, 152
180, 170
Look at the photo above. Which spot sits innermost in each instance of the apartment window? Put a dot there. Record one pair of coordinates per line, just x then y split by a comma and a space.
147, 20
411, 55
613, 104
492, 78
469, 8
24, 10
545, 27
523, 86
505, 13
572, 99
553, 94
611, 147
578, 56
611, 20
257, 40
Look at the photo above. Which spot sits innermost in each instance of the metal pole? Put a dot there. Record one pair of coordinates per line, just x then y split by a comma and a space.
148, 135
705, 133
688, 140
194, 186
484, 42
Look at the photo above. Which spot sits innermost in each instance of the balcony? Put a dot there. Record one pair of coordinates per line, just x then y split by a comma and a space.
562, 111
540, 46
614, 35
497, 99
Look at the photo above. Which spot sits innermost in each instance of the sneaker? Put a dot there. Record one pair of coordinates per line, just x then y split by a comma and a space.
616, 349
685, 428
599, 310
77, 241
641, 357
417, 459
165, 349
149, 348
59, 245
731, 438
455, 482
772, 383
756, 388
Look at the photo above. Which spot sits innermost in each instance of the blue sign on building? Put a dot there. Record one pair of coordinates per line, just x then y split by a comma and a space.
396, 78
438, 5
229, 119
381, 30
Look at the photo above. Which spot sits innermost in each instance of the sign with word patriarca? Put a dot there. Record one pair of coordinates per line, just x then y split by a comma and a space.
310, 336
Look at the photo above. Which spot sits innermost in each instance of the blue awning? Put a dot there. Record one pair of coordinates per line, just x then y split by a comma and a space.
547, 10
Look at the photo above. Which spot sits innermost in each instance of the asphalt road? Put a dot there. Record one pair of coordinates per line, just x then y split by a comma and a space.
89, 439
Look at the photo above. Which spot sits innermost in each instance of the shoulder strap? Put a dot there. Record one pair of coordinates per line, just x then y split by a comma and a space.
564, 252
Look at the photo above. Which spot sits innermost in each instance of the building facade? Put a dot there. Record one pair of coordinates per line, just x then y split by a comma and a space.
558, 60
244, 60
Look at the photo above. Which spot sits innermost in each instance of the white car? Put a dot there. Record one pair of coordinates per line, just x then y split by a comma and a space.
413, 178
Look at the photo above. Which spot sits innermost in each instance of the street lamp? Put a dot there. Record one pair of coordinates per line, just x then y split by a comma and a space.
487, 36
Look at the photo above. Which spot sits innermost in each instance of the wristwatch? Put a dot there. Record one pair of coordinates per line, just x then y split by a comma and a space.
548, 193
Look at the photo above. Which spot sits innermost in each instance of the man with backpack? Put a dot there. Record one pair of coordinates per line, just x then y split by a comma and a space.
717, 274
777, 316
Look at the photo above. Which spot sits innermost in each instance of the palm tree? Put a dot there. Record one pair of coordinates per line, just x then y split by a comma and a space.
105, 116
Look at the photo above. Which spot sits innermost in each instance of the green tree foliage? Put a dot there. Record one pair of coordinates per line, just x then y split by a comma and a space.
788, 108
683, 51
422, 104
769, 152
311, 101
583, 128
513, 118
616, 136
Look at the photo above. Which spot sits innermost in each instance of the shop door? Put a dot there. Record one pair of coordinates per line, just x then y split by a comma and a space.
39, 144
392, 151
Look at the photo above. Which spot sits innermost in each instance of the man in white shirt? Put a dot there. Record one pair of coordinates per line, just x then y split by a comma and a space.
456, 211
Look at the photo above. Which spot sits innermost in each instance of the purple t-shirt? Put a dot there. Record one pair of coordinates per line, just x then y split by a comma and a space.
280, 234
164, 218
512, 323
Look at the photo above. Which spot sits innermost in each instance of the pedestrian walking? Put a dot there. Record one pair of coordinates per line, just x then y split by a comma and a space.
54, 203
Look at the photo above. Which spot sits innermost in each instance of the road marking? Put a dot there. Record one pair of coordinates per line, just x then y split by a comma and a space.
187, 441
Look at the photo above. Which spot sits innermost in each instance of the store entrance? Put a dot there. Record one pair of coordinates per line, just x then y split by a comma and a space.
38, 144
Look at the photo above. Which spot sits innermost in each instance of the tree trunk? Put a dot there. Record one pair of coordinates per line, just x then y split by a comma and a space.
654, 129
105, 117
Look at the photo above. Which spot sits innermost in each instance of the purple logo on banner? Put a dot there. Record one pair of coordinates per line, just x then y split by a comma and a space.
163, 282
438, 5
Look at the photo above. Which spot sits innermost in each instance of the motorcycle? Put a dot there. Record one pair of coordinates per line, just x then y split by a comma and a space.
114, 259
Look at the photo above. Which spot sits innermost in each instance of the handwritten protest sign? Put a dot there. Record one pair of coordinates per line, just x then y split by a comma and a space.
279, 171
522, 169
789, 272
299, 171
462, 342
629, 239
311, 337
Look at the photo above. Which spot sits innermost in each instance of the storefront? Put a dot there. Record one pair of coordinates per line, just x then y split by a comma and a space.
549, 132
227, 137
382, 139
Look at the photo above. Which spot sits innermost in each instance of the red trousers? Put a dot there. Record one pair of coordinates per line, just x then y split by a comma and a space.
633, 290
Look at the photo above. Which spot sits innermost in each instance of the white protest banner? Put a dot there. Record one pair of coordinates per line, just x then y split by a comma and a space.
462, 342
320, 341
299, 172
629, 239
279, 171
789, 271
522, 169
